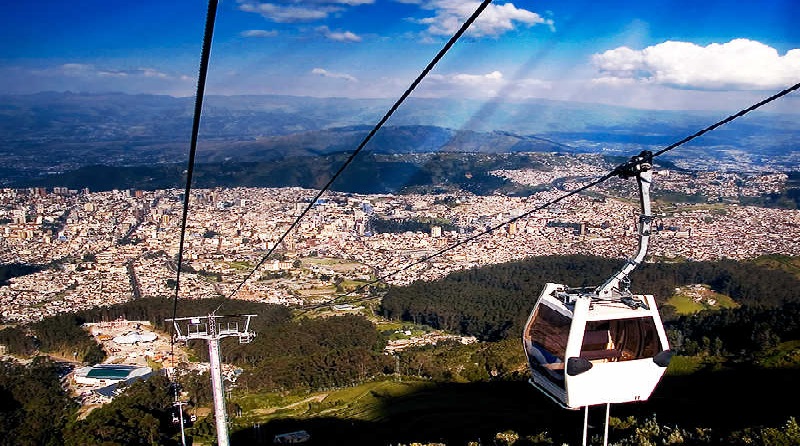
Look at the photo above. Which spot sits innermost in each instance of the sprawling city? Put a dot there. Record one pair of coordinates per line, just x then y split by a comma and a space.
115, 246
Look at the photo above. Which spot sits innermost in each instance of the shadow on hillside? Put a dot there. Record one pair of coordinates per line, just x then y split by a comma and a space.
448, 413
458, 413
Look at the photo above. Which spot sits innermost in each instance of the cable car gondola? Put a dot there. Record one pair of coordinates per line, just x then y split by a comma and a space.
588, 346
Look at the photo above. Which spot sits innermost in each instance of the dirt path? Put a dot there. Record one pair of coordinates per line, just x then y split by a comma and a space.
311, 399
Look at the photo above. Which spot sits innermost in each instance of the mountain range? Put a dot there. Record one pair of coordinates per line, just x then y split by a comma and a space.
52, 133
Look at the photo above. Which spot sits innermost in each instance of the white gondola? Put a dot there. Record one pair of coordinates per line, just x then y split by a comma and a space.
601, 345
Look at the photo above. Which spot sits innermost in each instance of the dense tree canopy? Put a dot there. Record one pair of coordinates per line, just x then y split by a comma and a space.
741, 332
312, 353
33, 407
141, 415
17, 341
286, 353
493, 302
11, 270
64, 336
381, 225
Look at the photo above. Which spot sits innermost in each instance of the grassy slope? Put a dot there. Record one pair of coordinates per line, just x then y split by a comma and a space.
782, 262
693, 299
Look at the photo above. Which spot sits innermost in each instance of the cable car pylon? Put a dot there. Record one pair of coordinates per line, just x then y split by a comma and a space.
208, 329
181, 420
604, 344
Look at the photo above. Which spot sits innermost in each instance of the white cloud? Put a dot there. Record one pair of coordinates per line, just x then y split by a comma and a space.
149, 72
352, 2
345, 36
91, 71
495, 77
464, 85
258, 33
290, 11
496, 19
539, 84
613, 81
102, 73
739, 64
491, 84
75, 69
289, 14
325, 73
448, 15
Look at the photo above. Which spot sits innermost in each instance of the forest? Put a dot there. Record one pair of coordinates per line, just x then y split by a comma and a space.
311, 354
286, 353
493, 302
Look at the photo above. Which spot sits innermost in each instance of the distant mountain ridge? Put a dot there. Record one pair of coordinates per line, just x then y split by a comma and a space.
371, 174
107, 116
51, 133
406, 139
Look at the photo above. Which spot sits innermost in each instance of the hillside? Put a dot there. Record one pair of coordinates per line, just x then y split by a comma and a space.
328, 376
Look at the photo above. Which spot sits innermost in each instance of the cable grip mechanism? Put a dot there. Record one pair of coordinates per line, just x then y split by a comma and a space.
642, 162
639, 167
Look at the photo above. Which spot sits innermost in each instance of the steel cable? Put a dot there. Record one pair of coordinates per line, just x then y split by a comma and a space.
205, 56
369, 136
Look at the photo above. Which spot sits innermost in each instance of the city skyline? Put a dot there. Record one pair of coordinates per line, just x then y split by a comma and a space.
658, 55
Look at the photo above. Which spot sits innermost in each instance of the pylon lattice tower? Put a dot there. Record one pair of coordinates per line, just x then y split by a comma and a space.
207, 328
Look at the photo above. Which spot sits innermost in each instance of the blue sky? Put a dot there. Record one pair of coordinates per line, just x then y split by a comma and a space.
658, 54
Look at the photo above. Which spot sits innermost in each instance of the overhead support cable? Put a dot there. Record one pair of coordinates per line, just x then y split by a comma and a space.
369, 136
617, 171
205, 56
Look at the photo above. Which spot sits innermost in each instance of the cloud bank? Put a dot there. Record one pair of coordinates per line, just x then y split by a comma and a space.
740, 64
283, 11
90, 71
84, 77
